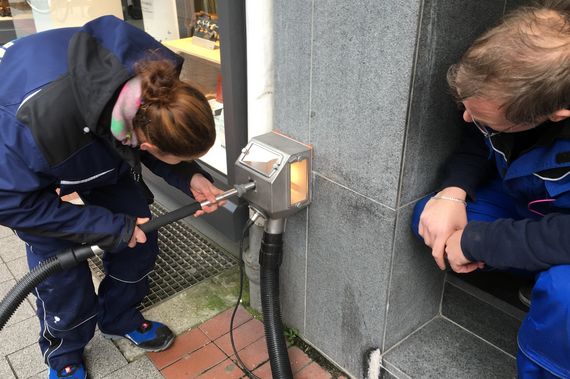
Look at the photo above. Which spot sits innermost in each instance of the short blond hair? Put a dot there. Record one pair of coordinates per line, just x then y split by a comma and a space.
523, 63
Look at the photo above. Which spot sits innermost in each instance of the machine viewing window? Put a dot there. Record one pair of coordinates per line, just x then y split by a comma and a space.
280, 167
261, 159
299, 173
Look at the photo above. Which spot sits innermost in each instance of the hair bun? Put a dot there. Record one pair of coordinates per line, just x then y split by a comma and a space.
159, 78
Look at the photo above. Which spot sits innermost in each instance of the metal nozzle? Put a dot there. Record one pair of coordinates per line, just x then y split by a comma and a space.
243, 188
239, 190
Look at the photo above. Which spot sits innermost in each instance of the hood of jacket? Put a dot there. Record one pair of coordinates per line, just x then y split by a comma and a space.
101, 58
69, 98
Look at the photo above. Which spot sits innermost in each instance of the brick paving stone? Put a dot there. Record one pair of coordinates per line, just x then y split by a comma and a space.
5, 369
139, 369
195, 364
18, 267
264, 371
19, 335
102, 357
183, 345
27, 362
5, 232
313, 371
220, 325
309, 370
23, 312
41, 375
244, 335
225, 370
5, 274
254, 355
11, 247
298, 359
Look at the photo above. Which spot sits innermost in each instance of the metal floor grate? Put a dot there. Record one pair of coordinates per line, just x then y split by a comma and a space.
186, 258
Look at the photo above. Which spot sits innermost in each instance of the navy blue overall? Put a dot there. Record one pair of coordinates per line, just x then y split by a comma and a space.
67, 305
521, 193
57, 91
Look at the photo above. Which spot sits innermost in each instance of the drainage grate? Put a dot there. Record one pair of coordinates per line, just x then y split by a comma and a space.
186, 258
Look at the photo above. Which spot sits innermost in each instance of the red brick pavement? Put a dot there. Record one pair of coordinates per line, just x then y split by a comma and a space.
205, 352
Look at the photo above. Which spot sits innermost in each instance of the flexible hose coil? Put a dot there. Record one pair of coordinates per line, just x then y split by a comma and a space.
20, 291
270, 259
71, 258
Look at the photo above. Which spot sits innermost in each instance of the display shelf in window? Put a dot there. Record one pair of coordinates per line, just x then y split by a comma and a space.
186, 46
202, 69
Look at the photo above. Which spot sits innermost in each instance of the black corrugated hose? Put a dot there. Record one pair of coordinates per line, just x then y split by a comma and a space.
270, 258
62, 261
71, 258
22, 289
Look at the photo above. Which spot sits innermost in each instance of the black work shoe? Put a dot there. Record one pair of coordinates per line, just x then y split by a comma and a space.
525, 293
150, 336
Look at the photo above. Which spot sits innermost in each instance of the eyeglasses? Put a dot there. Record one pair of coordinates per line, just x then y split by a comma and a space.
487, 132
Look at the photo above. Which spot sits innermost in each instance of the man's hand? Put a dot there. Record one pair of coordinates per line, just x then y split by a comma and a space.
138, 235
440, 219
455, 255
203, 190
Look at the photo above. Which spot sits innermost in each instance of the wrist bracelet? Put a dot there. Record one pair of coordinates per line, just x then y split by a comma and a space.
456, 199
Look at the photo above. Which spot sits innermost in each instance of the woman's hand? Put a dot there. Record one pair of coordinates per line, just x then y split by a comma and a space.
138, 235
440, 219
203, 190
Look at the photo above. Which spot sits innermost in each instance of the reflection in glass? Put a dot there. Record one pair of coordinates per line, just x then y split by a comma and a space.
261, 160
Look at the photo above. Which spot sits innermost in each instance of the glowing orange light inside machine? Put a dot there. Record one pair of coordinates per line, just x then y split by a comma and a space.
299, 181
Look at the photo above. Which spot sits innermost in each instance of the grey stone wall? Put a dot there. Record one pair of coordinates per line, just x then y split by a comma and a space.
364, 83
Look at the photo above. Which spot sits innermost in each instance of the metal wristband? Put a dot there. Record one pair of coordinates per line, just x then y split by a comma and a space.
456, 199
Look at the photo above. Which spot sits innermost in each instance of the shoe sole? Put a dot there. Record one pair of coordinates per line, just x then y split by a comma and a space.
114, 337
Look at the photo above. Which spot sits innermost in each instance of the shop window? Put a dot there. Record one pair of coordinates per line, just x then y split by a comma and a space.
189, 27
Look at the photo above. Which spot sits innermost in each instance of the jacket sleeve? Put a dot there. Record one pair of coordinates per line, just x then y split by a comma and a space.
470, 164
28, 203
525, 244
178, 175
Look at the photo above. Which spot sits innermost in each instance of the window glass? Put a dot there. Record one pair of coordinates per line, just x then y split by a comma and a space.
199, 44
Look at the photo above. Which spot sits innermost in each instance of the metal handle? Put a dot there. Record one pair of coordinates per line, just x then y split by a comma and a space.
72, 257
190, 209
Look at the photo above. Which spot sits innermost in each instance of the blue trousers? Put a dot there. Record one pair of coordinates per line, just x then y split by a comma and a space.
67, 305
544, 336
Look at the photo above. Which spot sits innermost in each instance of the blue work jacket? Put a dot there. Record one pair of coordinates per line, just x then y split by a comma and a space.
57, 91
536, 174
